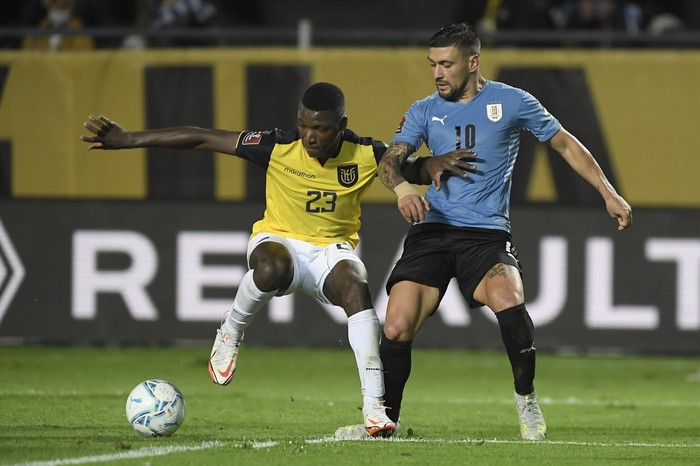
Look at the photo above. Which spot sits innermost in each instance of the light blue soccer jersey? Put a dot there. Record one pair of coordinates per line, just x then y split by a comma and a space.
490, 125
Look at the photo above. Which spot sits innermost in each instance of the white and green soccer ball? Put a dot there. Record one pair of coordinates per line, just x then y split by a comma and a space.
155, 408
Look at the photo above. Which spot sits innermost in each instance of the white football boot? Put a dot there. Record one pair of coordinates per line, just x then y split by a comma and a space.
532, 425
222, 362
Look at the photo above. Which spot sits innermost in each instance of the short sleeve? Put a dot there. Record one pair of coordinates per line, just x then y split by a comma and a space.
536, 119
256, 146
411, 129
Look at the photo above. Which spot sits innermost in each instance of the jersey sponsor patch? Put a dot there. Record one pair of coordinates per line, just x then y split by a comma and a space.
401, 123
494, 112
252, 138
348, 174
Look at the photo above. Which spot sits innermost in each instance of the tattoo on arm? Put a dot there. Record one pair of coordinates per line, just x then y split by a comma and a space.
389, 170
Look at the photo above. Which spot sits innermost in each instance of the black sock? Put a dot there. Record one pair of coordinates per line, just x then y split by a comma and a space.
517, 332
396, 359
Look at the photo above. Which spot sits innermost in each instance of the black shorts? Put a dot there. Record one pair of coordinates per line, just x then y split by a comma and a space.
434, 253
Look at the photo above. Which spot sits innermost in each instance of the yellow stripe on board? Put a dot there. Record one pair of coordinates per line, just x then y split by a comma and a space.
648, 128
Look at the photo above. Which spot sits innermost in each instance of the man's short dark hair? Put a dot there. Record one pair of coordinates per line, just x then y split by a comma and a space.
463, 35
324, 96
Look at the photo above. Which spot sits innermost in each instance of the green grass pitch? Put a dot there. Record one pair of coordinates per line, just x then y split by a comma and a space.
65, 405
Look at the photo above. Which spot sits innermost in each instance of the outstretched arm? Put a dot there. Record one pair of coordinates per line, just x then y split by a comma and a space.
581, 160
109, 135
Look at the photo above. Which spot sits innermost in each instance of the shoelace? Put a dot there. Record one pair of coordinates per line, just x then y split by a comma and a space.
223, 354
377, 412
530, 405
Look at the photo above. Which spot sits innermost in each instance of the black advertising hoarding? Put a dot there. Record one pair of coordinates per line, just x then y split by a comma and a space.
158, 272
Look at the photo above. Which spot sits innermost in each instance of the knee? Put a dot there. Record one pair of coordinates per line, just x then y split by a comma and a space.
273, 273
504, 298
347, 287
501, 289
355, 297
358, 292
398, 330
505, 301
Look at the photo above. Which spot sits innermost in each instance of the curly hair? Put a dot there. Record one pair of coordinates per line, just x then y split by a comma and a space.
324, 96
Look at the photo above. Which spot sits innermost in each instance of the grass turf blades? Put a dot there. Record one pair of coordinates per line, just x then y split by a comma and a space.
64, 405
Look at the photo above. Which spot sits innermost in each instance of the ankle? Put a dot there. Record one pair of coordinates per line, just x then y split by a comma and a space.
371, 401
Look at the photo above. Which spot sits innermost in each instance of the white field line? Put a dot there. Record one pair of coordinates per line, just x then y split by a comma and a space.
496, 441
146, 452
264, 443
163, 451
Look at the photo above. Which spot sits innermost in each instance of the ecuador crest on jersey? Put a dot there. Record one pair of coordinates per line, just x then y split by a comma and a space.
348, 174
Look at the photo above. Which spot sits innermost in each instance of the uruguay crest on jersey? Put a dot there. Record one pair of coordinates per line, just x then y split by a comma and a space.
494, 112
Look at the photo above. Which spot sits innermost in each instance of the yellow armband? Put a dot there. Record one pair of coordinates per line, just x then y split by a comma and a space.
405, 189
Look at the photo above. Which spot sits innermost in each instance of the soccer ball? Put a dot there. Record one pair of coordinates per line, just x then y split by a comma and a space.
155, 408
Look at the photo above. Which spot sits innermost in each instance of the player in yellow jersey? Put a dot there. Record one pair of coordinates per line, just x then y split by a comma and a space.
315, 178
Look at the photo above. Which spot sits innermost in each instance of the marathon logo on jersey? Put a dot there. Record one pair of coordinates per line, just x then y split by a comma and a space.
494, 112
348, 175
400, 127
252, 139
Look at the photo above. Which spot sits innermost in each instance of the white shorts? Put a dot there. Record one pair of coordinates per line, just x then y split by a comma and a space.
311, 263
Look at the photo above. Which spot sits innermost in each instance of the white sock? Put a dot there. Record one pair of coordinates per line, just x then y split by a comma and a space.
248, 301
363, 335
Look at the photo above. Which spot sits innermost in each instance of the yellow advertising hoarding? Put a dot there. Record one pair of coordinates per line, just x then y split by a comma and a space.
644, 103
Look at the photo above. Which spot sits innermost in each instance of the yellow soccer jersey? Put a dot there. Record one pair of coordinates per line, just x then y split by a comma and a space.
307, 201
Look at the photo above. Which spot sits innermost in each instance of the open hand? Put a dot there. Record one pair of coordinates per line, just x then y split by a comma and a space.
107, 134
454, 162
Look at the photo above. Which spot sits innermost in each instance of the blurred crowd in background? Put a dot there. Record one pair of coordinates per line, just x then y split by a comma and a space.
654, 17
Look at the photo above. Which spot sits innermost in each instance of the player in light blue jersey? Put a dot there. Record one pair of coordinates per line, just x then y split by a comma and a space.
461, 227
490, 124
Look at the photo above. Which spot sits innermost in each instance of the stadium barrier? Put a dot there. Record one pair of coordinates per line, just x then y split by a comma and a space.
142, 272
